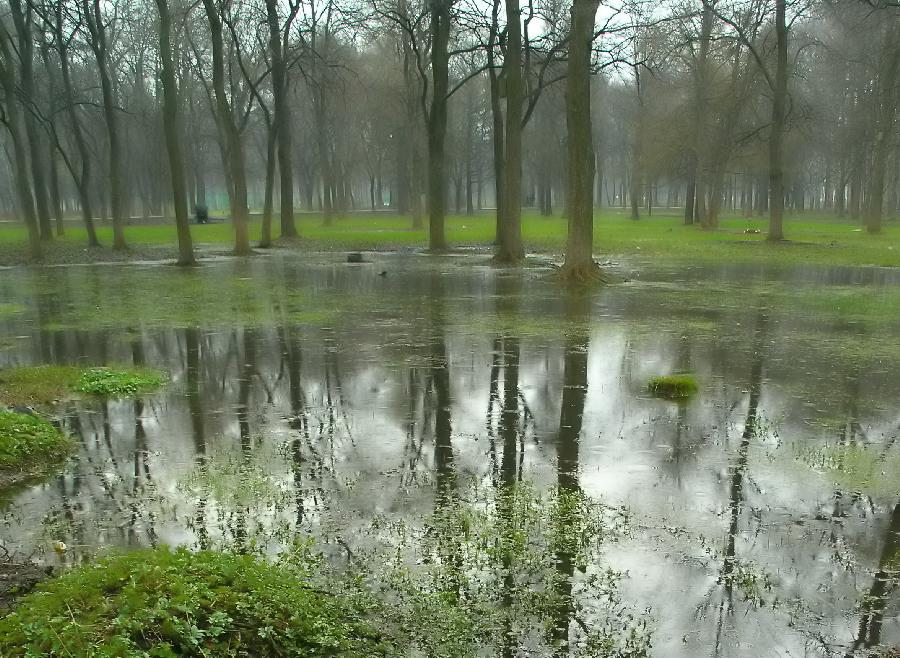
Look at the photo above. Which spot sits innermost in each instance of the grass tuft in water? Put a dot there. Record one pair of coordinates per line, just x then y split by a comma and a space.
43, 385
29, 445
160, 602
673, 387
108, 382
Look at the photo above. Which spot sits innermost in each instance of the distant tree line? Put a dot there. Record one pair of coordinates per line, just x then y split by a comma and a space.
122, 109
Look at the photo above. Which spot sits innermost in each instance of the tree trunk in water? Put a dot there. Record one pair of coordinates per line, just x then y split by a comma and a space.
20, 156
233, 147
172, 128
437, 123
282, 120
776, 137
579, 264
97, 29
509, 244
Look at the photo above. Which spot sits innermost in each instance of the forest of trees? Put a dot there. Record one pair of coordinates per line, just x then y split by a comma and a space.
116, 110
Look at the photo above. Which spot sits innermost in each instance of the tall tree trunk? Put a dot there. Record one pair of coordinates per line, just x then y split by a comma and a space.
265, 238
509, 244
283, 126
885, 114
20, 155
437, 123
231, 135
172, 129
83, 181
22, 17
94, 20
579, 264
776, 135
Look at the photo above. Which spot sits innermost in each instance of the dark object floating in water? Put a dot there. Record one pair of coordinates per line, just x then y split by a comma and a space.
382, 273
673, 387
355, 257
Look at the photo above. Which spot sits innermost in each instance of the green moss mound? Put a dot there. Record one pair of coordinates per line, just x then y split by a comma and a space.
29, 446
673, 387
118, 383
41, 385
177, 603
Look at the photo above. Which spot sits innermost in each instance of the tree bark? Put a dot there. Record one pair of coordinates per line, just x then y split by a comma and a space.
885, 115
437, 123
776, 135
579, 264
233, 142
172, 129
509, 244
20, 155
283, 126
83, 180
22, 16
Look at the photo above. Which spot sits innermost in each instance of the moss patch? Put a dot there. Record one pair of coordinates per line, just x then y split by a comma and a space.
177, 603
29, 446
673, 387
41, 385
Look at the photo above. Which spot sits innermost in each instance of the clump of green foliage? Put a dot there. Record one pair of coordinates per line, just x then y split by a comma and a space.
41, 385
158, 602
118, 383
673, 387
28, 446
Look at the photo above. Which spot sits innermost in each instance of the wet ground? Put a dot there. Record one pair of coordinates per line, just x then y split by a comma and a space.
310, 397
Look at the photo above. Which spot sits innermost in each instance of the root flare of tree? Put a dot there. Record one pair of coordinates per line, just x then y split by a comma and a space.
583, 275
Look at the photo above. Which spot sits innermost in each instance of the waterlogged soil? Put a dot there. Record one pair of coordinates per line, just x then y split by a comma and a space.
347, 403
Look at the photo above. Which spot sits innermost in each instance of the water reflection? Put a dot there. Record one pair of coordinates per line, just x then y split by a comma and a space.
310, 421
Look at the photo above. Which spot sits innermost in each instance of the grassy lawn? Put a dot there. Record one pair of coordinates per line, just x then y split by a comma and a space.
811, 238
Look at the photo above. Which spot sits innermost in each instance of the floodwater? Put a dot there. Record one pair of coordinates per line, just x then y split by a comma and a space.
309, 397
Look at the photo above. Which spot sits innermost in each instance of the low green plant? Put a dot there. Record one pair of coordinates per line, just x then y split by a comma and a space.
673, 387
165, 603
29, 445
108, 382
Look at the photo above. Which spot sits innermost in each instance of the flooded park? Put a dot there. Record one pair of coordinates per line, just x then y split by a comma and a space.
492, 435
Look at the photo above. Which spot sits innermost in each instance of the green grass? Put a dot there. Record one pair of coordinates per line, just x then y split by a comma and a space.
673, 387
106, 382
28, 446
157, 602
811, 238
43, 385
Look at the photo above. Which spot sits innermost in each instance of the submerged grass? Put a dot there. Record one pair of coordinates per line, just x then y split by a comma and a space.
159, 602
29, 446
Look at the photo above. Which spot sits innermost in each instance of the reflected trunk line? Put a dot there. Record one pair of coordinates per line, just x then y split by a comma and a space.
885, 580
571, 417
738, 471
298, 422
493, 401
195, 409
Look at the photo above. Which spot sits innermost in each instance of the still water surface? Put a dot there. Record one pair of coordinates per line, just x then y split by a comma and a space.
309, 397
